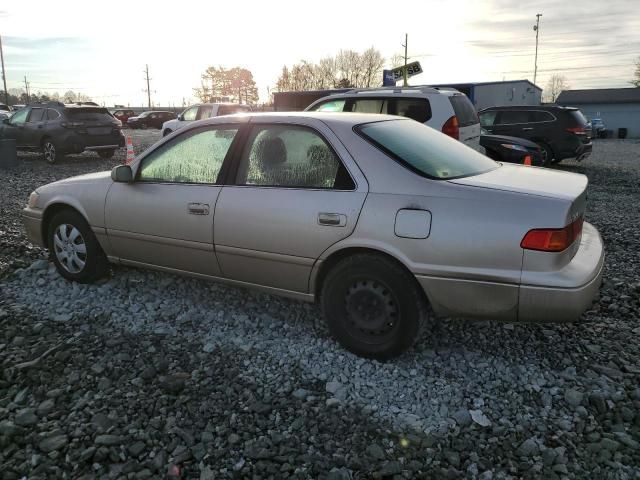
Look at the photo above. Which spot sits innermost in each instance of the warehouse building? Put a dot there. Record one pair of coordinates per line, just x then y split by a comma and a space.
499, 94
619, 108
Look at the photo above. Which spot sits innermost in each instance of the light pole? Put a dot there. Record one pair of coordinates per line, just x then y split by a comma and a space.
4, 76
536, 28
404, 70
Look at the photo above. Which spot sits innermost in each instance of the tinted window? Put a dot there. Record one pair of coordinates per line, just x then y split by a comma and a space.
89, 114
424, 150
204, 111
330, 106
418, 109
540, 116
464, 110
510, 117
20, 116
52, 114
193, 158
487, 119
37, 115
368, 105
231, 109
190, 114
290, 156
578, 117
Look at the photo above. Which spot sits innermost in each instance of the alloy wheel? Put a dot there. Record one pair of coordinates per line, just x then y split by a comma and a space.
49, 152
70, 248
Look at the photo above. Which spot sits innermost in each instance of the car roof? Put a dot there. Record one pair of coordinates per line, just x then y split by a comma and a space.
529, 107
343, 118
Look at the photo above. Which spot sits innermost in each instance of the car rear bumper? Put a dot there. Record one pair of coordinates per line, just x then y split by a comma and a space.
78, 143
32, 220
564, 295
584, 150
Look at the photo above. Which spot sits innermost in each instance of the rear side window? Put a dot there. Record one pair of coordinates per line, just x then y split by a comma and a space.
37, 115
540, 116
418, 109
368, 105
52, 114
425, 151
88, 114
579, 118
464, 110
510, 117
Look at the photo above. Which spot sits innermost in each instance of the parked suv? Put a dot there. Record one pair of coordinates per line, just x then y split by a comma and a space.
56, 129
151, 119
123, 115
200, 112
561, 132
444, 109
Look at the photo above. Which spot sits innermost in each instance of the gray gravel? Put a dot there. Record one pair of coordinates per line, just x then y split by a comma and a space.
152, 373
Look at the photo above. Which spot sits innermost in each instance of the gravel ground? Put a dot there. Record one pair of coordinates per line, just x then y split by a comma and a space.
148, 374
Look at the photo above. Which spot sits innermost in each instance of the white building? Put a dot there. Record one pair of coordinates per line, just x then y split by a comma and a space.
499, 94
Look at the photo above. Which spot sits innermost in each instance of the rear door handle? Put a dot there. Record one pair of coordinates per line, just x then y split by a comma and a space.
332, 219
198, 208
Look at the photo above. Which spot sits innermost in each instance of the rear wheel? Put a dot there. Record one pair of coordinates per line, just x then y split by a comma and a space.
372, 306
106, 153
74, 248
546, 153
50, 151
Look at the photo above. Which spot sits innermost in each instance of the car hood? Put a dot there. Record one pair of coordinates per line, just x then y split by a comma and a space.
529, 180
87, 179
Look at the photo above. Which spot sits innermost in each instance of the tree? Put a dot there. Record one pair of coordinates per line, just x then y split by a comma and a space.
69, 97
636, 80
237, 83
555, 85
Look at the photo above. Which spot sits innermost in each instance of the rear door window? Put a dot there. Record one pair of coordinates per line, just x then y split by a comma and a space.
367, 105
536, 116
513, 117
37, 115
418, 109
52, 114
204, 111
579, 117
464, 110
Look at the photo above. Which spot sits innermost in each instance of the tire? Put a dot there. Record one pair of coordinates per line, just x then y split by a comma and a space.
74, 248
166, 132
547, 154
106, 153
373, 307
50, 151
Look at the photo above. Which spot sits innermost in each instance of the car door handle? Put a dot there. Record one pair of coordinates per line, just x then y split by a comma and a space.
526, 129
332, 219
198, 209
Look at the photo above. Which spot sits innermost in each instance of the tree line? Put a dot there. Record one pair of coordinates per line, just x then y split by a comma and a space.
233, 84
20, 97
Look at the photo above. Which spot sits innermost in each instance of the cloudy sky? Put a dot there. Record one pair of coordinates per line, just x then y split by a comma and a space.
101, 48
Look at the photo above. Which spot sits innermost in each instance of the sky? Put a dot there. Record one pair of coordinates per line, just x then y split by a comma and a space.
101, 48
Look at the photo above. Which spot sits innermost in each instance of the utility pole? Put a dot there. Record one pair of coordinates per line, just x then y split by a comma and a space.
146, 72
536, 28
4, 77
404, 70
26, 87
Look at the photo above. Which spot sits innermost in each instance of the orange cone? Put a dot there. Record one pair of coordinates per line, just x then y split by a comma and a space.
130, 154
527, 160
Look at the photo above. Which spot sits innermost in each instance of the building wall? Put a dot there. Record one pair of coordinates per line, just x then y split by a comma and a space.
503, 94
614, 116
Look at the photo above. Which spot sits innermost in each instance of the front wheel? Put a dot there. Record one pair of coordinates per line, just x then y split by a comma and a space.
74, 248
372, 306
106, 153
50, 151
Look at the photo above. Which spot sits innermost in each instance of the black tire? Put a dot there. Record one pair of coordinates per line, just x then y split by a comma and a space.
166, 132
546, 153
50, 151
106, 153
373, 307
95, 261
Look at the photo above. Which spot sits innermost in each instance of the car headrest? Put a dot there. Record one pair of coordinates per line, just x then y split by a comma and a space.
272, 151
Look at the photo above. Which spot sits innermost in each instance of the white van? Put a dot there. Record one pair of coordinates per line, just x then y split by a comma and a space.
200, 112
444, 109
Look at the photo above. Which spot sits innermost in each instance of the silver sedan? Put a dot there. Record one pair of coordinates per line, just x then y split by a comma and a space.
380, 219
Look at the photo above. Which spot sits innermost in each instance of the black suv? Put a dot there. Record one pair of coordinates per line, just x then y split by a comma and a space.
561, 132
152, 119
56, 129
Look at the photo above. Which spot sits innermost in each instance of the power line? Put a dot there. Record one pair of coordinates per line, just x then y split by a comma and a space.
146, 72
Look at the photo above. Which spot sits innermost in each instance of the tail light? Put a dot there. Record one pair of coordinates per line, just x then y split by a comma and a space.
552, 239
452, 128
581, 130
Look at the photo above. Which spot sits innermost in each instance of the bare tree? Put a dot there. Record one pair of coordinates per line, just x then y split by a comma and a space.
555, 86
372, 63
636, 76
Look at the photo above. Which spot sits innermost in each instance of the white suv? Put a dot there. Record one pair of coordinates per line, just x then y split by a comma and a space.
200, 112
444, 109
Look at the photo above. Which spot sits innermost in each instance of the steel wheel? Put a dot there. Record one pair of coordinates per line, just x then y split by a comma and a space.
371, 311
49, 150
70, 248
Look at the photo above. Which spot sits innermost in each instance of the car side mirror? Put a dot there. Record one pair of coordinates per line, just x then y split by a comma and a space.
181, 117
122, 174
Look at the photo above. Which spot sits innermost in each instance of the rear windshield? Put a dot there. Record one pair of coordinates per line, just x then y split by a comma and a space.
579, 117
88, 114
464, 110
424, 150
